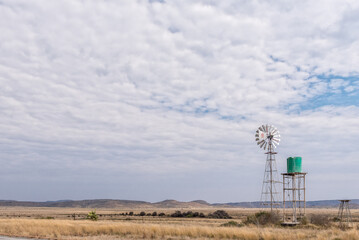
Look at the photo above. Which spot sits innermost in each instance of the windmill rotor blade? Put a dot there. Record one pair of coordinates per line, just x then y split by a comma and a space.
275, 131
267, 137
271, 129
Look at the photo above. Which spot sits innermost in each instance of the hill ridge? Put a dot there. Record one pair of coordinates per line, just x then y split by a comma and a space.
168, 203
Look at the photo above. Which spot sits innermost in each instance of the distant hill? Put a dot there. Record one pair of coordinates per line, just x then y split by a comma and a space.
177, 204
354, 203
96, 203
112, 203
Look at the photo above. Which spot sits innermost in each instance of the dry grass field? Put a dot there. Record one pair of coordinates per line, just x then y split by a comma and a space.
58, 223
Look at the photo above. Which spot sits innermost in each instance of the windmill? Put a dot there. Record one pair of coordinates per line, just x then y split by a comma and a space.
268, 137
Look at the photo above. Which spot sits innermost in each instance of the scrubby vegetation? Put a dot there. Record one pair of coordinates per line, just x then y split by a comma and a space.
232, 224
263, 218
320, 219
92, 216
188, 214
69, 229
220, 214
155, 224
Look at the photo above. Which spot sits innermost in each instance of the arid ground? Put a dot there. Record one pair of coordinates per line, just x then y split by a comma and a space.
71, 223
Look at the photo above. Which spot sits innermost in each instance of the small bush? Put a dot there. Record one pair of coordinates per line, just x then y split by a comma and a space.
304, 220
320, 220
263, 218
142, 214
231, 224
92, 216
154, 214
188, 214
177, 214
131, 214
162, 214
220, 214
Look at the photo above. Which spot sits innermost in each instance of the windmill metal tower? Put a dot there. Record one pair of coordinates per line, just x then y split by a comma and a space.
268, 137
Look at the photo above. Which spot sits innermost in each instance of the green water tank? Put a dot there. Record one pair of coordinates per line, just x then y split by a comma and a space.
294, 164
297, 164
290, 165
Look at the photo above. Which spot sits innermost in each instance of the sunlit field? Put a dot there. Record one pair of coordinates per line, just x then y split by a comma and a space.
60, 223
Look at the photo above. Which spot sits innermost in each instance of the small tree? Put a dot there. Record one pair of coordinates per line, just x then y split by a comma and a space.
92, 216
142, 214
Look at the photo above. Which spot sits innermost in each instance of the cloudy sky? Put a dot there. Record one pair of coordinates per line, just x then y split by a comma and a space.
154, 100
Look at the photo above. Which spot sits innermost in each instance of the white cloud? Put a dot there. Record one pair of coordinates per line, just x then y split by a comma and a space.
134, 87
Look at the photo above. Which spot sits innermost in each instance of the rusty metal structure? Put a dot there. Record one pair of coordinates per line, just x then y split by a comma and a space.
268, 137
344, 214
293, 197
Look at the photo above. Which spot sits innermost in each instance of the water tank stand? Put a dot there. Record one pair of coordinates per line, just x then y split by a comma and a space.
344, 214
293, 197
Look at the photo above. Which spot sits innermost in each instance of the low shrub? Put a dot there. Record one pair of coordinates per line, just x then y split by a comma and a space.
263, 218
232, 224
220, 214
92, 216
188, 214
177, 214
320, 219
304, 220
